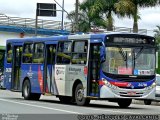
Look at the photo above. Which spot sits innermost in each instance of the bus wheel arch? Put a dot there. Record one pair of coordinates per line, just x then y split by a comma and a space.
26, 91
78, 94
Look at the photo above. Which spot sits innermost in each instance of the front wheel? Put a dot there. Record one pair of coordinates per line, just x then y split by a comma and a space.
147, 102
124, 103
79, 96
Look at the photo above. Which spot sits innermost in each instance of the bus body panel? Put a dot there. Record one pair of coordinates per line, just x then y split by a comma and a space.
64, 76
35, 74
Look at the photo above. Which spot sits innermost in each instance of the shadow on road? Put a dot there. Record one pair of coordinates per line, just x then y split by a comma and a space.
91, 105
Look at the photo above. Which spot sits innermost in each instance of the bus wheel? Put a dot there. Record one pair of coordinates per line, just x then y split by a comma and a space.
124, 103
147, 102
26, 90
79, 96
65, 99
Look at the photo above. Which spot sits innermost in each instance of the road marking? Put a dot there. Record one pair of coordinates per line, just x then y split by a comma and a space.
123, 112
39, 106
83, 107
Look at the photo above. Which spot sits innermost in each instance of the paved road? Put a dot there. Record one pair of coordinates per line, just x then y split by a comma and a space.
13, 103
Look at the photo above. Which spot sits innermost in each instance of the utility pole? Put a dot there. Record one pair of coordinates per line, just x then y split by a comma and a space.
62, 15
76, 15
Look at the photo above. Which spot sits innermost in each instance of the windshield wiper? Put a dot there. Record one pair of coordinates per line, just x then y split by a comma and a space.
138, 53
122, 53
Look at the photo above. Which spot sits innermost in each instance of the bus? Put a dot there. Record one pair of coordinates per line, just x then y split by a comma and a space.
117, 67
2, 53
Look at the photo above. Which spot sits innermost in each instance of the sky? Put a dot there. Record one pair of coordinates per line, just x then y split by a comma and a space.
150, 17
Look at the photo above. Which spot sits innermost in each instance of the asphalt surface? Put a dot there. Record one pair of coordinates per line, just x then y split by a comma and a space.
13, 103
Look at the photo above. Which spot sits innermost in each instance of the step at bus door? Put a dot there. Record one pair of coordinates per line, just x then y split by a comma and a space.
49, 69
16, 66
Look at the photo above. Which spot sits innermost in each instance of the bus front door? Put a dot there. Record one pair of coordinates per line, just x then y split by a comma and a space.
16, 65
49, 81
94, 66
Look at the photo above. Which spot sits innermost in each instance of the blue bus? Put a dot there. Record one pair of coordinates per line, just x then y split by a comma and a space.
117, 67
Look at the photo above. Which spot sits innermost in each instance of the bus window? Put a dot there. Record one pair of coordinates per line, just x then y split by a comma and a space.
64, 53
27, 53
38, 53
51, 52
79, 53
9, 53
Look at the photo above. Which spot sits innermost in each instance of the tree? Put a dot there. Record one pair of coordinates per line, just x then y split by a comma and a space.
85, 19
104, 7
121, 8
157, 37
135, 5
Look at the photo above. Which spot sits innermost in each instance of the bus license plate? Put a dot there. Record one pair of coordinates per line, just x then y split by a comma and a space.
131, 93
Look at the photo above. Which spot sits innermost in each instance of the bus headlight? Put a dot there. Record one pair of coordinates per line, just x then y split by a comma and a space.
151, 87
108, 84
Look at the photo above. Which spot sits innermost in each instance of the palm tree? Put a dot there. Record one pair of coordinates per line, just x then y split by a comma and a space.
121, 8
135, 5
104, 7
83, 22
85, 19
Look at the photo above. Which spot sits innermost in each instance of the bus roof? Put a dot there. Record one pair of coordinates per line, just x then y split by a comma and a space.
76, 36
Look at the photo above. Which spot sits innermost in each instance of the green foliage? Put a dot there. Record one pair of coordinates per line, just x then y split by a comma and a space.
157, 37
85, 18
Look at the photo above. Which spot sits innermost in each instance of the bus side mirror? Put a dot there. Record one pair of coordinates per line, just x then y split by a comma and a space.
102, 54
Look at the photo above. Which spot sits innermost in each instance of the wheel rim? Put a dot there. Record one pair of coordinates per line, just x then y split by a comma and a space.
80, 94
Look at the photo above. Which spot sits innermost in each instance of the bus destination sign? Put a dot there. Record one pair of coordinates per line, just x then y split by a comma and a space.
129, 40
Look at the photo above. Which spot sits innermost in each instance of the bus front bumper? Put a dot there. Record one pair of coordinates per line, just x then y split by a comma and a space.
106, 92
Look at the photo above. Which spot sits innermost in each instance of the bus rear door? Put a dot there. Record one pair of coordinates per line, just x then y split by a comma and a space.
16, 66
49, 68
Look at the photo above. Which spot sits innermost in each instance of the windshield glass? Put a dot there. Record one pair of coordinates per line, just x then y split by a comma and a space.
129, 61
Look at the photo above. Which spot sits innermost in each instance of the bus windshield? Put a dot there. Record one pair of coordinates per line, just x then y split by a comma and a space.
129, 61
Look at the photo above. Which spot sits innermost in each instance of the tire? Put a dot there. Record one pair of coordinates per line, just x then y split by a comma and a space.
65, 99
124, 103
26, 92
79, 96
147, 102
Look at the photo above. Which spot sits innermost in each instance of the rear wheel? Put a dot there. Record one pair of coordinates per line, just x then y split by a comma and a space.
79, 96
147, 102
124, 103
26, 91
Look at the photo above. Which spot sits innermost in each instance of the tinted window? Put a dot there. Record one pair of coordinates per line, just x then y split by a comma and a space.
38, 53
79, 53
9, 53
27, 53
64, 53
